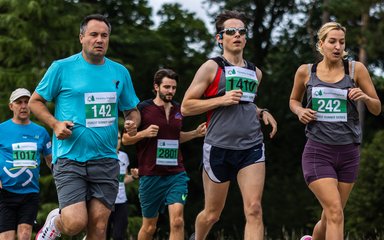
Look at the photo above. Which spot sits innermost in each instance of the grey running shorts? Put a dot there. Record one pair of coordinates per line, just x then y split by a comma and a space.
81, 181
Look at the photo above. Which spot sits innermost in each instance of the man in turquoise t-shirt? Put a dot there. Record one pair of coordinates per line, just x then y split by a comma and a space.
22, 145
88, 90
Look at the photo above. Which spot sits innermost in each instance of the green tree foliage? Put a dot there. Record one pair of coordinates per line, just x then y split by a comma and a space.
264, 18
33, 34
349, 13
365, 211
186, 42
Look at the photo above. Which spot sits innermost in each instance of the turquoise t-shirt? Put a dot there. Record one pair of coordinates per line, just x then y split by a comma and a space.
20, 149
90, 96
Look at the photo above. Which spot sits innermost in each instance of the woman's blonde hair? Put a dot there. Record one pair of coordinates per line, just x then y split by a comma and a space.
323, 32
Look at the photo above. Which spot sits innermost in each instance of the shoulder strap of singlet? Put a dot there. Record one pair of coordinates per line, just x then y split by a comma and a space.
212, 90
250, 65
353, 69
309, 68
346, 66
220, 61
314, 67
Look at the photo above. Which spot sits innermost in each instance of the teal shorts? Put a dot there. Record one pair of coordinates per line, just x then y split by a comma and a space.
157, 192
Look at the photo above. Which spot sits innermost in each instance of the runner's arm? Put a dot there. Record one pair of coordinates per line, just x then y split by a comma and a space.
198, 132
305, 115
48, 160
132, 121
131, 177
38, 106
193, 104
365, 91
150, 131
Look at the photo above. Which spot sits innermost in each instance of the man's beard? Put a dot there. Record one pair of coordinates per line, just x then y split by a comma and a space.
164, 97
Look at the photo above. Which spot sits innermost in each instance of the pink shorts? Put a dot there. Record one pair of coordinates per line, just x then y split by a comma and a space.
321, 160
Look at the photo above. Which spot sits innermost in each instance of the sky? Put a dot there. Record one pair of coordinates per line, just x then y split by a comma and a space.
190, 5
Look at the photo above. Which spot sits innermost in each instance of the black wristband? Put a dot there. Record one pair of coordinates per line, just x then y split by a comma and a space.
262, 111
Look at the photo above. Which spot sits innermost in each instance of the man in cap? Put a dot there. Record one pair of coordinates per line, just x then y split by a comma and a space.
22, 143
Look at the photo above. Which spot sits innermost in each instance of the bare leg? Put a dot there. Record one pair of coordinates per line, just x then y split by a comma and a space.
98, 215
215, 195
24, 231
251, 183
8, 235
147, 229
333, 197
73, 219
176, 218
320, 228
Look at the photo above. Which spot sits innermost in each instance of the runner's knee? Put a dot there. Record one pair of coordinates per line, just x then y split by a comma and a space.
335, 215
149, 229
177, 223
24, 235
212, 217
253, 210
73, 226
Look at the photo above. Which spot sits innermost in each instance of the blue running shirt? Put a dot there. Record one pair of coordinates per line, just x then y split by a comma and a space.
20, 149
88, 95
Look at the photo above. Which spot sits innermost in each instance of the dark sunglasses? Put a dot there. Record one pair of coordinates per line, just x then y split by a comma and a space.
232, 31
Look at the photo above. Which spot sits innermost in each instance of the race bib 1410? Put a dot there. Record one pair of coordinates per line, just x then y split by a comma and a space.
241, 78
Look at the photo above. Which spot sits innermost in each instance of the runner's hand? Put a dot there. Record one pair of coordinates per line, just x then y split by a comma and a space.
201, 129
306, 115
268, 119
231, 97
357, 94
135, 172
130, 127
152, 131
63, 129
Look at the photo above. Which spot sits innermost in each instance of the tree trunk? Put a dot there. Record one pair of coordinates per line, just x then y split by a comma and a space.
325, 15
363, 59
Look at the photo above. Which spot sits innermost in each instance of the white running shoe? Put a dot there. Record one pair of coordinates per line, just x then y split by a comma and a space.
306, 237
49, 231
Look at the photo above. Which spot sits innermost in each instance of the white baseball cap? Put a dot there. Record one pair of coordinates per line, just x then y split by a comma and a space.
18, 93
